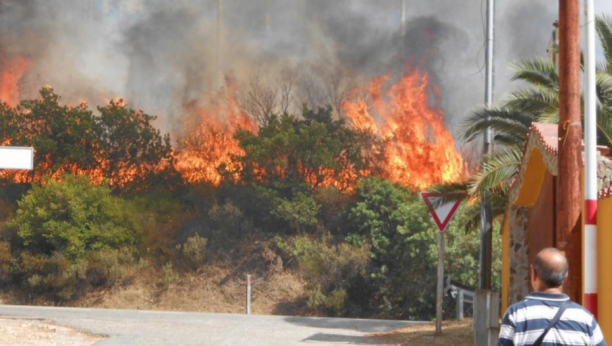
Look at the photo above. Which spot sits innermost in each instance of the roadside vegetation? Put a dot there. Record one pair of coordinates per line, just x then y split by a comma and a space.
105, 209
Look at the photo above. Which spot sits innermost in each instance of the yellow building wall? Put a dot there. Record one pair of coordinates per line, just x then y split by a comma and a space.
604, 267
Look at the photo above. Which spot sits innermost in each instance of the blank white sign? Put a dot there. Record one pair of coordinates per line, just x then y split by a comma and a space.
16, 158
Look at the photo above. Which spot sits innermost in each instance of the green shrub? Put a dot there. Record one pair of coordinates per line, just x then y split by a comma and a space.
193, 251
228, 225
107, 267
168, 275
52, 276
5, 263
329, 271
300, 212
73, 217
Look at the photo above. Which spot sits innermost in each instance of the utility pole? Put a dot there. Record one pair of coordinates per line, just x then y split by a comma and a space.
486, 302
404, 19
219, 43
268, 20
590, 143
486, 212
570, 129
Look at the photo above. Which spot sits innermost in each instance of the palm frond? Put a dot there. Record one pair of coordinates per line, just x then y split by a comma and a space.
449, 192
537, 72
498, 169
604, 87
604, 123
472, 211
604, 29
500, 120
534, 100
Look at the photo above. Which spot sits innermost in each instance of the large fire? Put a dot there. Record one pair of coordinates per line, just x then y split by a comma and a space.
419, 148
421, 151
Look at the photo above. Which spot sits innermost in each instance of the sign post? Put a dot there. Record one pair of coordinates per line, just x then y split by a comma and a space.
442, 215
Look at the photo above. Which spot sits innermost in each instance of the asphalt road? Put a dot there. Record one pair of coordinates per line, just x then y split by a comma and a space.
156, 328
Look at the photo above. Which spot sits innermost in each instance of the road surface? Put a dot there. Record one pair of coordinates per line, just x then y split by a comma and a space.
155, 328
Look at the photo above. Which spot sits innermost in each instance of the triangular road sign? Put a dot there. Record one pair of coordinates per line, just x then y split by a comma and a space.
443, 213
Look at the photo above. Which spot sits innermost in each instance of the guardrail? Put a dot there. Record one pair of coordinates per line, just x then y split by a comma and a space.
462, 296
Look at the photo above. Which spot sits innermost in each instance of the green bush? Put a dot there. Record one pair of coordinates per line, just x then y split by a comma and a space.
329, 271
52, 276
168, 274
5, 263
228, 225
108, 267
193, 251
73, 217
404, 249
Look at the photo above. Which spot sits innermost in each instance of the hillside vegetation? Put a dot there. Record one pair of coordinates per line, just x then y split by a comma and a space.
106, 219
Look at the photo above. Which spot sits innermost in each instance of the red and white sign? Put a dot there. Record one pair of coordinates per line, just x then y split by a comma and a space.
442, 214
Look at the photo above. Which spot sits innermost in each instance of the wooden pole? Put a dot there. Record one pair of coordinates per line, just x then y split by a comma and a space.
440, 291
569, 199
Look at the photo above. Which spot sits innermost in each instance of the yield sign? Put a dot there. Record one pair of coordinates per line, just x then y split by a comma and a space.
443, 213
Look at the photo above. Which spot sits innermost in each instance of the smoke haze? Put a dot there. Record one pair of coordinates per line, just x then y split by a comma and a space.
162, 55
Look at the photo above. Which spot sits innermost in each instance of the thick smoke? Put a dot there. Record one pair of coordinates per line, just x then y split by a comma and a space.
162, 55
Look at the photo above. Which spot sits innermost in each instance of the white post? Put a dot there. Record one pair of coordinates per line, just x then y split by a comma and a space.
459, 305
404, 24
248, 300
220, 42
590, 140
440, 291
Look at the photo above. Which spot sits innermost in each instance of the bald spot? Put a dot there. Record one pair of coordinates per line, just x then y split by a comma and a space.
550, 263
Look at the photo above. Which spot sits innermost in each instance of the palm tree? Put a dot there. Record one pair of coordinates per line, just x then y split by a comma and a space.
537, 100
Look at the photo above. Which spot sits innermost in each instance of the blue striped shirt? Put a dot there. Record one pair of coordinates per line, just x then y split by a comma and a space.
525, 321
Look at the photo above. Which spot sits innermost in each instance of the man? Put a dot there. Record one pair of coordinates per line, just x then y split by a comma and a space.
526, 321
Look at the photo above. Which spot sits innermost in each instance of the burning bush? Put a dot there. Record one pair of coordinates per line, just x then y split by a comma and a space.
119, 145
289, 153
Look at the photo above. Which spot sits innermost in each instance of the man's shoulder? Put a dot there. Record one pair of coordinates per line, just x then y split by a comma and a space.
532, 303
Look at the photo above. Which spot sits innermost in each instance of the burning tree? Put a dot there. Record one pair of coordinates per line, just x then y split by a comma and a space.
315, 151
119, 145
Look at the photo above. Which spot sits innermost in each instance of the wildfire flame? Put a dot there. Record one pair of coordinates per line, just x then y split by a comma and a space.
210, 143
10, 74
421, 151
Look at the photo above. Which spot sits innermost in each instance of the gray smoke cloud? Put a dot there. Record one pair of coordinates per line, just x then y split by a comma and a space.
162, 55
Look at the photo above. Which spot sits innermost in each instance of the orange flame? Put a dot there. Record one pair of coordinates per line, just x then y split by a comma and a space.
10, 75
421, 151
210, 144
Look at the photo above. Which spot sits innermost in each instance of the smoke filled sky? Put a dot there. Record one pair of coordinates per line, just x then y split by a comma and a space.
162, 55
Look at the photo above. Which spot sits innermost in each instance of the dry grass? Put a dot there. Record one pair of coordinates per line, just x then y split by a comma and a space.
453, 333
214, 289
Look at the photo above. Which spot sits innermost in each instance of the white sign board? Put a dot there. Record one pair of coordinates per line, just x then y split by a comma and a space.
17, 158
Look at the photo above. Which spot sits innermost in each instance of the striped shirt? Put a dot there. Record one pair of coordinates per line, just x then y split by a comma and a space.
525, 321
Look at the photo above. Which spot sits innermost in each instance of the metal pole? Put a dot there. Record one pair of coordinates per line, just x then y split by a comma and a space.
248, 299
404, 23
486, 225
268, 20
440, 291
460, 305
590, 140
219, 43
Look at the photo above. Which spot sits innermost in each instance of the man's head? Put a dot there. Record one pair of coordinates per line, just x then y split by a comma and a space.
549, 270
